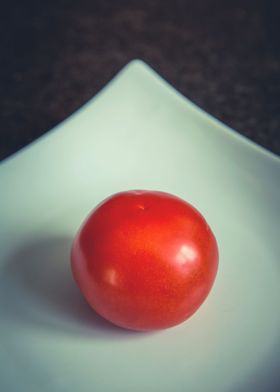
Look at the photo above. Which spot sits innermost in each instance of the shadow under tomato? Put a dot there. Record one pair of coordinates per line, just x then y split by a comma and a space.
37, 288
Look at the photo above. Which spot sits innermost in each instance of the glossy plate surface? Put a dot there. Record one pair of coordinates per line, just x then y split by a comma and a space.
138, 133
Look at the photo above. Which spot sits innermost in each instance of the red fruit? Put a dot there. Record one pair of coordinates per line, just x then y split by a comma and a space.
145, 260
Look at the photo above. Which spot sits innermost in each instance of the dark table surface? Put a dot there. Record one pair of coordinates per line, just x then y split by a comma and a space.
56, 55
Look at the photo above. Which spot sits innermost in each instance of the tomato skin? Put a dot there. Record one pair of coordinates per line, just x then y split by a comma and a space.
145, 260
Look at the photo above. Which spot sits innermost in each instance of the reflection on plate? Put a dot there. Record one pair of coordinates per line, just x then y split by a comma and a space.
138, 133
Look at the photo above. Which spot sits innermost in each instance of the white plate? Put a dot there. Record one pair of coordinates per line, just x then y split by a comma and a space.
138, 133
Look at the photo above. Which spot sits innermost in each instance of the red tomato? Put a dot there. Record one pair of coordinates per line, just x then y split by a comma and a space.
145, 260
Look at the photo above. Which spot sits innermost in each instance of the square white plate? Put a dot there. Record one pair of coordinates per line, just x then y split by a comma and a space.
138, 133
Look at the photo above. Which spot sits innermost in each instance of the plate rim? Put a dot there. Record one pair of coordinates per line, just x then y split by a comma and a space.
139, 64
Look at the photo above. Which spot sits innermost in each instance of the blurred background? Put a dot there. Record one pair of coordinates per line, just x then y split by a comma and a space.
57, 54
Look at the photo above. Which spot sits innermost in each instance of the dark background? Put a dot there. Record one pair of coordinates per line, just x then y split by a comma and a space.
55, 55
